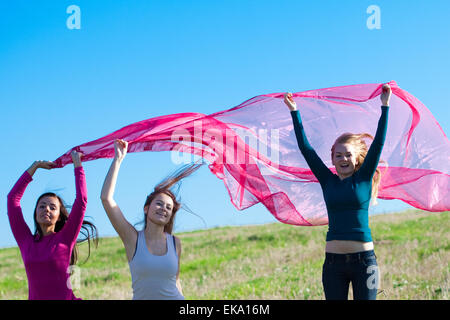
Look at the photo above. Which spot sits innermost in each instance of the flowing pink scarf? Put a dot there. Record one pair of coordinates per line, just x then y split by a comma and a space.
252, 148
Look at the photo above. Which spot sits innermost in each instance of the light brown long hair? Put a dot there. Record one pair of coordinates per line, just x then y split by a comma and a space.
88, 229
357, 141
165, 186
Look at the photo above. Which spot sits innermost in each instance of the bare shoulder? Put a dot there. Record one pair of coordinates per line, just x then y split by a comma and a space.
129, 237
177, 243
130, 243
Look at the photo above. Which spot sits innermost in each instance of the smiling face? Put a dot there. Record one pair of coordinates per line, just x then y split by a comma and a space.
344, 159
48, 211
160, 209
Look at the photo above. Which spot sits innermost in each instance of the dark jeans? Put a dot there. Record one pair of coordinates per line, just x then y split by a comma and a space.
359, 268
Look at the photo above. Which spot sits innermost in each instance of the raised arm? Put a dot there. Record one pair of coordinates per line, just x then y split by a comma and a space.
126, 231
319, 169
74, 222
370, 164
20, 229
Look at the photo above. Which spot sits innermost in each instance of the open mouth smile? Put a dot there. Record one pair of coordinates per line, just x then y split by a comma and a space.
164, 215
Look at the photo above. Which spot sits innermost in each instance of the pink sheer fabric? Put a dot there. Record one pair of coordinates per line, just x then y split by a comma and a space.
252, 148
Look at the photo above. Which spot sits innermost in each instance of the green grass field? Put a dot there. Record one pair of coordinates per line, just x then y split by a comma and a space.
273, 261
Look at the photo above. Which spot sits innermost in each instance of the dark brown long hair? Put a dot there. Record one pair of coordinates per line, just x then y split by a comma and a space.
165, 186
88, 229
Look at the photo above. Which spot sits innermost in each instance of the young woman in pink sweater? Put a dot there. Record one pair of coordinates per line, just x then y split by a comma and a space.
48, 253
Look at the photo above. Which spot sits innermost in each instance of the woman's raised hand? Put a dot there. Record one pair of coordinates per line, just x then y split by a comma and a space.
40, 164
289, 101
385, 95
76, 158
48, 165
120, 148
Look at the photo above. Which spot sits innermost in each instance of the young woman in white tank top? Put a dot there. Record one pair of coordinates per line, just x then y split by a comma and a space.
153, 253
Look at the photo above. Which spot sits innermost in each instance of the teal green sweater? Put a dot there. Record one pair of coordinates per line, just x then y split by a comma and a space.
347, 200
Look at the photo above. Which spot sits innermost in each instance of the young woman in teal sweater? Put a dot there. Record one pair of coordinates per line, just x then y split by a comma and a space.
350, 255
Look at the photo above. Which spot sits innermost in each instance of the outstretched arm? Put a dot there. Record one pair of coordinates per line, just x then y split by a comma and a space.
20, 229
319, 169
125, 230
370, 164
74, 222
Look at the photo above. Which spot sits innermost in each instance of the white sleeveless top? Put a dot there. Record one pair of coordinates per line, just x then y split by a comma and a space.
154, 277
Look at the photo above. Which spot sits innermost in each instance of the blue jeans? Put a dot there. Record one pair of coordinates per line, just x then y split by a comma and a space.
359, 268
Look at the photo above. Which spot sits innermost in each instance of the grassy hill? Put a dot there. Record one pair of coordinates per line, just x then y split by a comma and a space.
273, 261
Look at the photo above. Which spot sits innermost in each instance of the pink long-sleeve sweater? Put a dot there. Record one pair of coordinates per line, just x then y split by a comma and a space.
47, 259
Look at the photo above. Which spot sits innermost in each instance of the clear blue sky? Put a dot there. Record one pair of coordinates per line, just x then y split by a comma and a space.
133, 60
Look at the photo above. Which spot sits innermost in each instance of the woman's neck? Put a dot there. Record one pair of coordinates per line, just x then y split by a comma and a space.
47, 229
154, 231
342, 177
